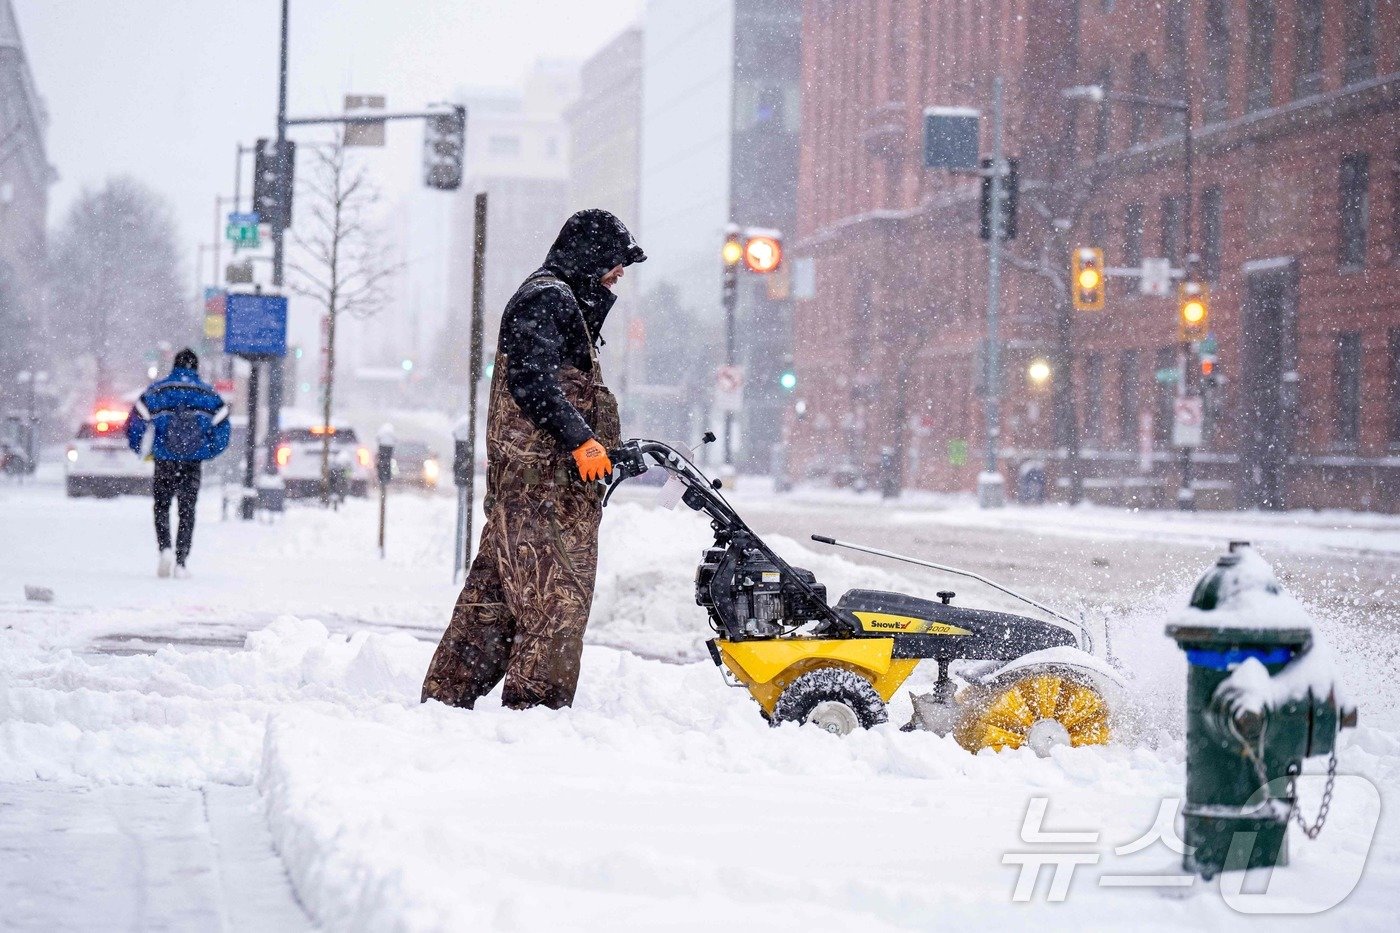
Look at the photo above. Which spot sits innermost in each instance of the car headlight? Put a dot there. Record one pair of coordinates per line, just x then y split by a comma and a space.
430, 470
72, 455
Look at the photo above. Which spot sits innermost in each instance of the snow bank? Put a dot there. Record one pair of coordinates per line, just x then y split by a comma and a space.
186, 717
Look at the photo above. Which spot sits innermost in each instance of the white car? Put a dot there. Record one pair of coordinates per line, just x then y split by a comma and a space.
299, 459
99, 462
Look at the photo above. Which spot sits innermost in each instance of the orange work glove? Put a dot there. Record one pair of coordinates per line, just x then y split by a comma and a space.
592, 460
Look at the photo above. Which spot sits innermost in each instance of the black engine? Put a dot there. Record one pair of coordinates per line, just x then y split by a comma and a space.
749, 595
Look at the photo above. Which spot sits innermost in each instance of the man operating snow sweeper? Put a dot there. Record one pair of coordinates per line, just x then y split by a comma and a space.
549, 426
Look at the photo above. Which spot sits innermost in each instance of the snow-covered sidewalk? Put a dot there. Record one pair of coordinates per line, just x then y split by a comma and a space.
660, 800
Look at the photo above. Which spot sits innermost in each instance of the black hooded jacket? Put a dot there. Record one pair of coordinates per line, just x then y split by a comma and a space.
547, 325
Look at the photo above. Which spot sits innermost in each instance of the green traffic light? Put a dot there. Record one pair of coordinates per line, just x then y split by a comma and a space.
788, 380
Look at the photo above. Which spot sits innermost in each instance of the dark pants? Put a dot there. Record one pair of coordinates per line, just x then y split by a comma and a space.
178, 480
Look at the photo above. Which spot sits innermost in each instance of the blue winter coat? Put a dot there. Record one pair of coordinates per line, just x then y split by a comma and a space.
179, 417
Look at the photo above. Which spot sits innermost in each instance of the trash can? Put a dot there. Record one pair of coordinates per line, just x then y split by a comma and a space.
1030, 483
1261, 695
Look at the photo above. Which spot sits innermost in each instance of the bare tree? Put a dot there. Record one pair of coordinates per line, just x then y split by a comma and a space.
116, 290
344, 264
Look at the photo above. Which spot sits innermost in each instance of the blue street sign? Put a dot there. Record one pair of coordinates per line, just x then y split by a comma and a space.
256, 325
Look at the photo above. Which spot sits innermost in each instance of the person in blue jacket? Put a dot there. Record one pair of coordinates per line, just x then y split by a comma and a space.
179, 421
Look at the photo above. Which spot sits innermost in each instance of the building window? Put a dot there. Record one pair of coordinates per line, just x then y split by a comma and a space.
1141, 80
1174, 66
1171, 228
1093, 398
1360, 33
1259, 55
1072, 39
503, 146
1307, 49
1395, 207
1352, 206
1101, 124
1348, 389
1393, 387
1098, 229
1217, 59
1129, 397
1212, 203
1133, 222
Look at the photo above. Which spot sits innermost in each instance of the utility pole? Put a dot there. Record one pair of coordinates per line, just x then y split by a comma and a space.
1188, 384
474, 368
991, 487
730, 299
274, 368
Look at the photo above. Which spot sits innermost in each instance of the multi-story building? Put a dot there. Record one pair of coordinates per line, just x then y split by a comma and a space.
605, 126
517, 151
720, 109
25, 176
1295, 218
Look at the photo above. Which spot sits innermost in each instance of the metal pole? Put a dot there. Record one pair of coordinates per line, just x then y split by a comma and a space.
474, 367
990, 488
383, 515
730, 297
274, 375
251, 445
1186, 495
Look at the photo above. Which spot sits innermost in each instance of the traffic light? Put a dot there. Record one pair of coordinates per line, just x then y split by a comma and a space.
763, 252
1010, 195
272, 182
1087, 278
732, 251
788, 378
1193, 319
444, 142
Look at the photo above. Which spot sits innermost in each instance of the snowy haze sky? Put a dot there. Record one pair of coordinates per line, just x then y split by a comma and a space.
164, 89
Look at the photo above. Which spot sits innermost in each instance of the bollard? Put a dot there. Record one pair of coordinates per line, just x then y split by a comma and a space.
1260, 697
384, 467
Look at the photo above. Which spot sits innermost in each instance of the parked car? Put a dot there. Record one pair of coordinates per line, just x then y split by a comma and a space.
415, 464
298, 454
99, 463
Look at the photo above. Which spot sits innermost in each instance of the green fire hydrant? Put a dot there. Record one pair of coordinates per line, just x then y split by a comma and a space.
1261, 696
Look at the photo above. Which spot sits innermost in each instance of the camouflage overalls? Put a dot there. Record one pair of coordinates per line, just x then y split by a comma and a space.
525, 605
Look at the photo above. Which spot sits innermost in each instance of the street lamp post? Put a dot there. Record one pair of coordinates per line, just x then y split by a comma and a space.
1186, 381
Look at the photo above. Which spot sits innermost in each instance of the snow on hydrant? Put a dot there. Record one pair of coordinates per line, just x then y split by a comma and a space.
1261, 696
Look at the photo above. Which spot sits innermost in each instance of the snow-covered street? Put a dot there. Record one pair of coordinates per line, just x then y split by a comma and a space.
231, 750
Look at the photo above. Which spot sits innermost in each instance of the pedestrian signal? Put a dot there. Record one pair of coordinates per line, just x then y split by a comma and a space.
1087, 278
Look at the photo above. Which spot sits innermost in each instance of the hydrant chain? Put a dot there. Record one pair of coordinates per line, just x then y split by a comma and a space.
1313, 831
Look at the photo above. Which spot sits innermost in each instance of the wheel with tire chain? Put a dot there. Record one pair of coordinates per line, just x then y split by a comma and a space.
833, 699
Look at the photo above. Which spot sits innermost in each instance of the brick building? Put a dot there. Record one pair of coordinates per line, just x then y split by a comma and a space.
1296, 222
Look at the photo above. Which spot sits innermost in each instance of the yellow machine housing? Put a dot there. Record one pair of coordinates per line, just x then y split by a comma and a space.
767, 667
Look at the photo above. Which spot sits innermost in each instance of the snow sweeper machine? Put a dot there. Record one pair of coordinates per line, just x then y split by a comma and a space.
1025, 682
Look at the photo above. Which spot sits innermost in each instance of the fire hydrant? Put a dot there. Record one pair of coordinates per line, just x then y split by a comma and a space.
1261, 696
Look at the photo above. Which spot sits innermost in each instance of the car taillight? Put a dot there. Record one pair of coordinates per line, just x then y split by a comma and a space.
362, 455
284, 454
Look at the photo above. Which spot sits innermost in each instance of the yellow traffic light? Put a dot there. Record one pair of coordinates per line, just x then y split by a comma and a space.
731, 252
1193, 319
1087, 278
763, 253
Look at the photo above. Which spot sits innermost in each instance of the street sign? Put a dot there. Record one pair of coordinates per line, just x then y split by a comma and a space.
256, 325
1156, 279
729, 388
1167, 375
957, 452
239, 273
242, 230
368, 133
951, 138
1189, 415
